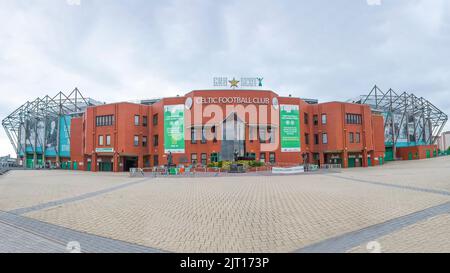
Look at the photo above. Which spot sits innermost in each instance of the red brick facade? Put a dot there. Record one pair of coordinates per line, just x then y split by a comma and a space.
354, 135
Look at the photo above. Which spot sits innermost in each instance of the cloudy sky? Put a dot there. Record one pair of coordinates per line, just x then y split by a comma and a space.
123, 50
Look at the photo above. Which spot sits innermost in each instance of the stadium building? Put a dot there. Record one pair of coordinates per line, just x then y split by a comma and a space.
202, 127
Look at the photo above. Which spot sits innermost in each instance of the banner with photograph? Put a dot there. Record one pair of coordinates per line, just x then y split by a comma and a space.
174, 129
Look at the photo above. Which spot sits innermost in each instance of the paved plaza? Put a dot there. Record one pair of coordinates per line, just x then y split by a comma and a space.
400, 207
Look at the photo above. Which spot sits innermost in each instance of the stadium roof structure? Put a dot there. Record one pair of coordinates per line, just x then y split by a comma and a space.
73, 104
407, 105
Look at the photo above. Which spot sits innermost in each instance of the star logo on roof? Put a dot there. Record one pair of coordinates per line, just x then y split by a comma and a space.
234, 83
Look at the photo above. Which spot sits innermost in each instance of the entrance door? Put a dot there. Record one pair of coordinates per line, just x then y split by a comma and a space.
410, 157
75, 166
88, 166
428, 154
130, 162
351, 162
105, 166
233, 137
369, 162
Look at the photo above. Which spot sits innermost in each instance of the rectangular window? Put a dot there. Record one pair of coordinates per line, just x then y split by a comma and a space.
108, 140
144, 121
104, 120
316, 139
316, 120
358, 137
251, 133
324, 138
204, 161
272, 157
353, 118
193, 136
155, 161
306, 118
203, 135
351, 137
155, 140
193, 159
307, 139
262, 134
214, 157
100, 140
144, 141
136, 120
155, 119
262, 157
324, 119
136, 141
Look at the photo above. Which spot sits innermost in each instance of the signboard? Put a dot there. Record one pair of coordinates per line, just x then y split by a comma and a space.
232, 100
290, 128
236, 83
104, 150
292, 170
174, 128
64, 136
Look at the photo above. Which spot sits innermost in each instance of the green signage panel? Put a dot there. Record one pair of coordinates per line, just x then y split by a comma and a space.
174, 128
290, 128
104, 150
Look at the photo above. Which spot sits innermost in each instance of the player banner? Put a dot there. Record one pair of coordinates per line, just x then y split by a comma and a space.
290, 128
174, 128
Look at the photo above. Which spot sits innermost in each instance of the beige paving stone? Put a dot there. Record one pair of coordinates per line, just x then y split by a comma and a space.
228, 214
20, 189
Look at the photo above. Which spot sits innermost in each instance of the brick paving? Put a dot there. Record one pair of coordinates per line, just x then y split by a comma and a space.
242, 214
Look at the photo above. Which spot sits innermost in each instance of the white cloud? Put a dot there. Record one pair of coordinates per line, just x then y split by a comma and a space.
123, 50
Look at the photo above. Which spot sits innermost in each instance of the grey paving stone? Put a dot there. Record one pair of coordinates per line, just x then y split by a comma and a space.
22, 234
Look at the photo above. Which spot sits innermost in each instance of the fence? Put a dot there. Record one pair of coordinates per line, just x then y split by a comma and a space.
216, 171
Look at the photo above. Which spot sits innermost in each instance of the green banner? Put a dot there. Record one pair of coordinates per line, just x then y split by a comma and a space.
174, 128
290, 128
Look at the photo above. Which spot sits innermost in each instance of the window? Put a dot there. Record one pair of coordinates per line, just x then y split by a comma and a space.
316, 120
204, 161
214, 157
213, 130
108, 140
324, 138
307, 139
155, 119
358, 138
193, 138
251, 133
262, 135
353, 118
155, 140
203, 135
100, 140
351, 137
193, 159
136, 120
272, 157
136, 141
271, 134
316, 139
306, 118
262, 157
144, 141
144, 121
324, 119
155, 161
104, 120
